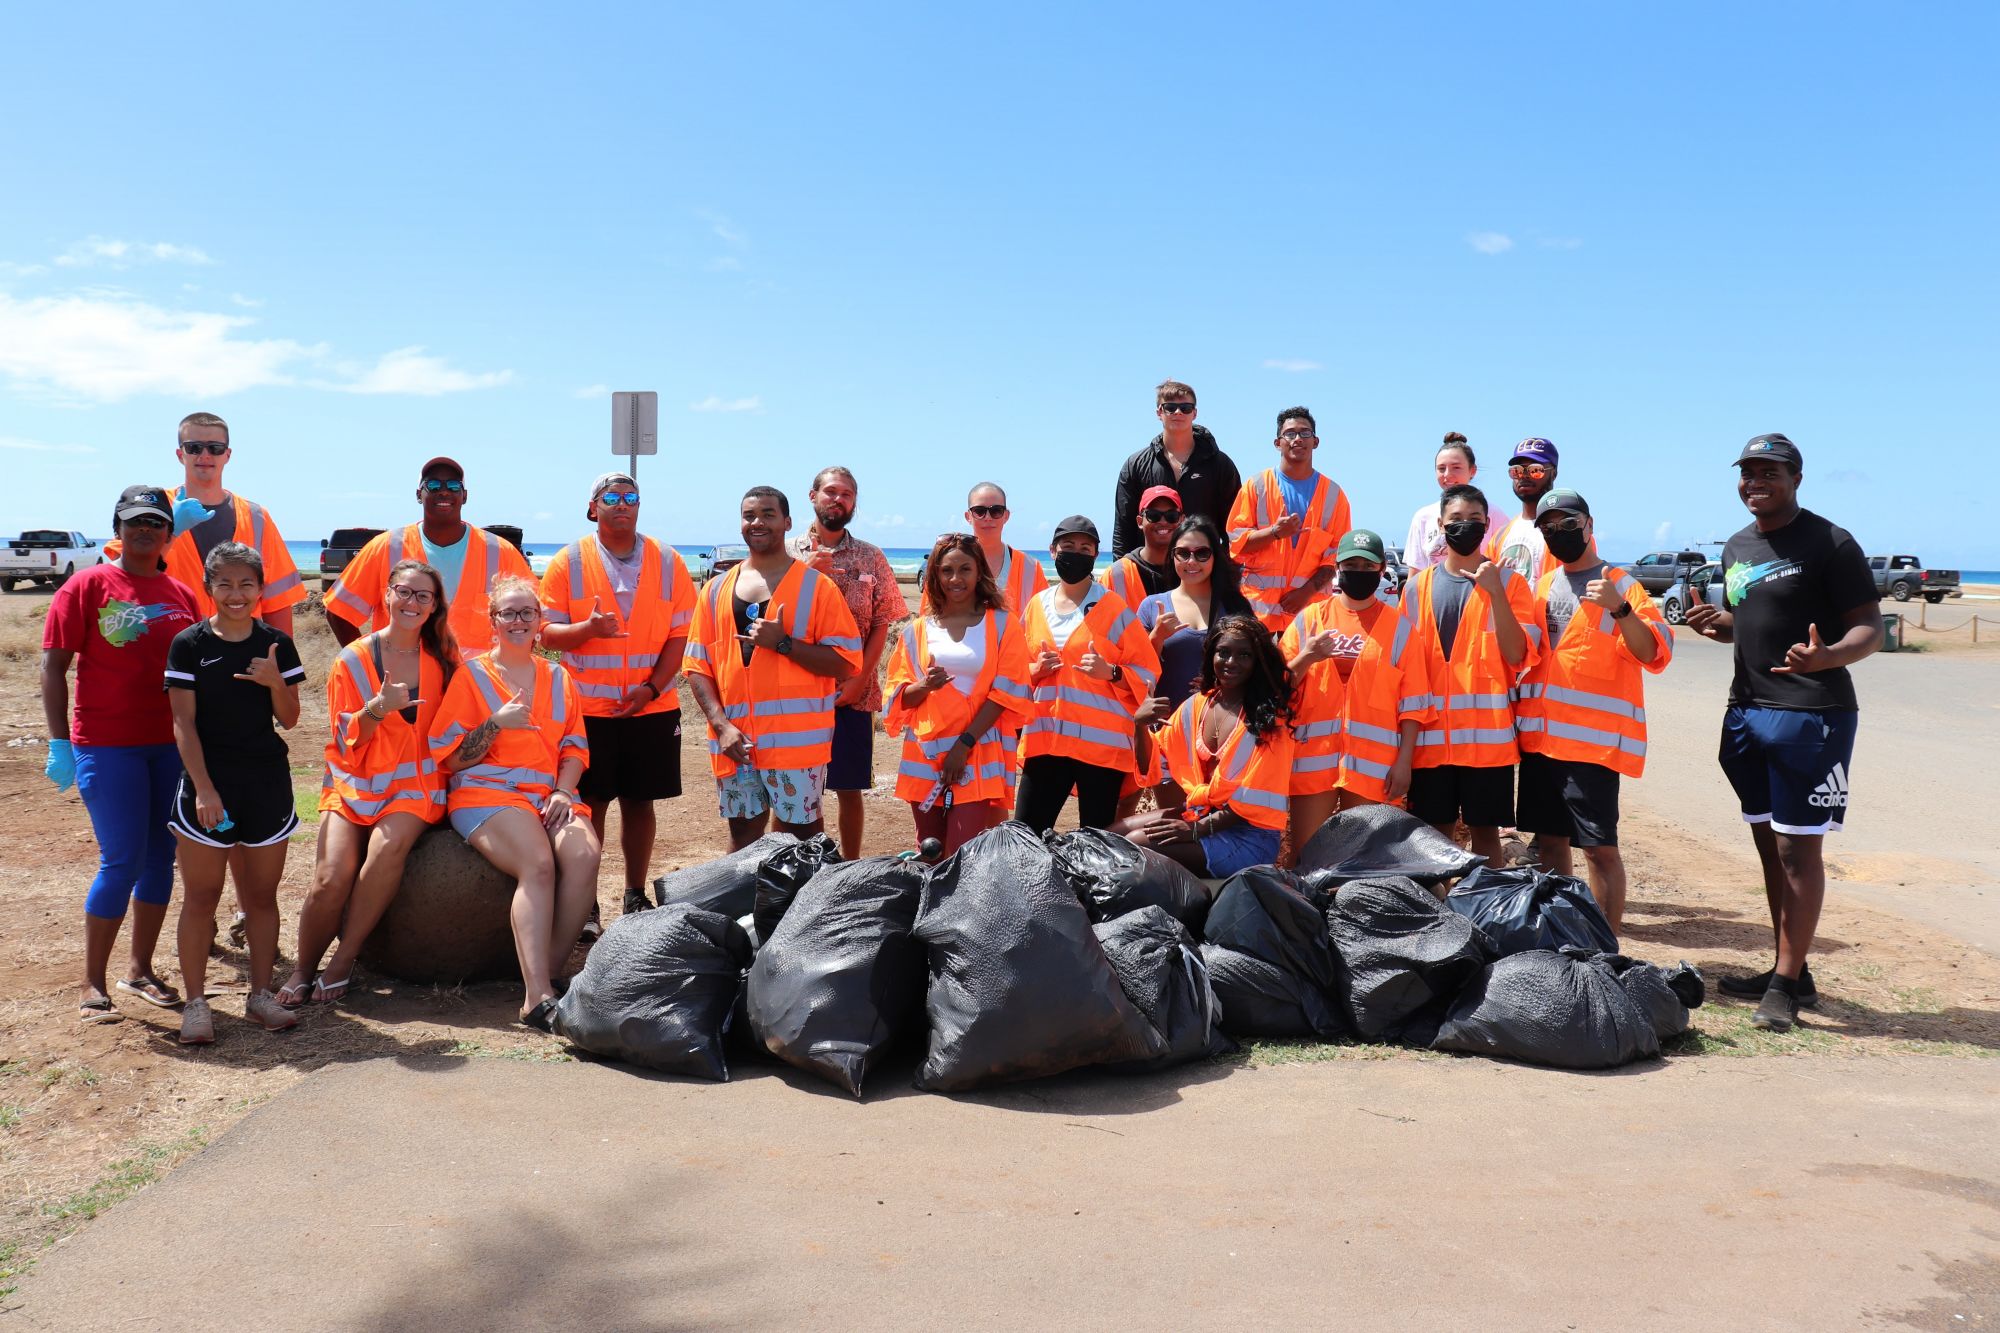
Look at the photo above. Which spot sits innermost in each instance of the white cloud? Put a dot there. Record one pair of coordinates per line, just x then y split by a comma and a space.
1663, 534
107, 345
594, 391
726, 231
1293, 364
725, 264
123, 254
1490, 242
9, 269
541, 516
42, 446
712, 403
248, 303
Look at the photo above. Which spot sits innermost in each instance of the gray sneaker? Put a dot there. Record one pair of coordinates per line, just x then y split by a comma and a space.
1776, 1012
263, 1007
197, 1025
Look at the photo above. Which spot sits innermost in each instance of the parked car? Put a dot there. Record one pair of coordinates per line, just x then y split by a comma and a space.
728, 557
1660, 570
1395, 573
1694, 585
1904, 576
341, 547
45, 556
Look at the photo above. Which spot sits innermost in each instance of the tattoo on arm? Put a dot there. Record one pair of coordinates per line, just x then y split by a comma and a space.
476, 743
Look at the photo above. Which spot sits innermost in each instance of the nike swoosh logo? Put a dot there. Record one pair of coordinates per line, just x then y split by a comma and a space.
210, 661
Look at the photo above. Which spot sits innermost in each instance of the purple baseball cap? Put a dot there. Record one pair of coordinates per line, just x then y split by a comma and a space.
1534, 449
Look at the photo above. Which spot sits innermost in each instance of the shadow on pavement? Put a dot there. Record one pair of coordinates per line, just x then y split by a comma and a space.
1690, 926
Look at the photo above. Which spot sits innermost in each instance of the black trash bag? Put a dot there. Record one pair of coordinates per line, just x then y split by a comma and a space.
1019, 986
1532, 909
1399, 951
1261, 914
1548, 1008
1369, 841
1261, 999
728, 884
784, 872
1663, 994
658, 990
1113, 875
1164, 978
841, 980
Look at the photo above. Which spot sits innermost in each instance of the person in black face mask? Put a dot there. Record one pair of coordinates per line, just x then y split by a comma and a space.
1355, 709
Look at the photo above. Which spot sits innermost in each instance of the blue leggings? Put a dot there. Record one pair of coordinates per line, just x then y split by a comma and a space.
129, 792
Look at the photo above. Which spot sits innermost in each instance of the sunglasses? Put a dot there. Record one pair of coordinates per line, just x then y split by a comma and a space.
212, 448
1162, 515
521, 617
619, 498
421, 596
1562, 525
1531, 470
432, 486
1194, 555
1178, 409
987, 511
145, 521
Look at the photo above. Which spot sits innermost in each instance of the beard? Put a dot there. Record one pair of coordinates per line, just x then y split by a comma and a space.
832, 520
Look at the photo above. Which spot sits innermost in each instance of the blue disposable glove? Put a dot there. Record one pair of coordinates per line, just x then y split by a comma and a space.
188, 512
61, 768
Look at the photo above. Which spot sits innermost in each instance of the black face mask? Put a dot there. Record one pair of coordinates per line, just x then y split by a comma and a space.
1464, 537
1074, 566
1360, 584
1566, 546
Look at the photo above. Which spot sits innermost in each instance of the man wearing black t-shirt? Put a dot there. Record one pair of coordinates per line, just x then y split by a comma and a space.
1802, 607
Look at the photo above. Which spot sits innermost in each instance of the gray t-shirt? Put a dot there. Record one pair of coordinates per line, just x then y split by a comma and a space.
1565, 595
1448, 594
217, 528
624, 574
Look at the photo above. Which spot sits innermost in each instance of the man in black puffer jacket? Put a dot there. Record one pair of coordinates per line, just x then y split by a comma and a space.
1183, 456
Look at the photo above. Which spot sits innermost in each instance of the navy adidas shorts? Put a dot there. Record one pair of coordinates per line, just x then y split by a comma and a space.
1789, 766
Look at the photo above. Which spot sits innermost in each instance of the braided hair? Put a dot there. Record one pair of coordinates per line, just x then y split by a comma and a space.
1267, 695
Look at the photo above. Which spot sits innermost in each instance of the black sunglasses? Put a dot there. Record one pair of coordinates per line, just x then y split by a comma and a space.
987, 511
1194, 555
213, 448
1177, 408
1161, 515
433, 485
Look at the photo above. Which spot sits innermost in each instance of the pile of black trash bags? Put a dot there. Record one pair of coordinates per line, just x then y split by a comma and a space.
1022, 956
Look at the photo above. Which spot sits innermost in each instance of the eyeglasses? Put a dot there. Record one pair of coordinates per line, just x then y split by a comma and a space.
1296, 435
521, 617
145, 521
987, 511
1162, 515
1178, 409
433, 485
1194, 555
421, 596
1562, 525
619, 498
213, 448
1536, 470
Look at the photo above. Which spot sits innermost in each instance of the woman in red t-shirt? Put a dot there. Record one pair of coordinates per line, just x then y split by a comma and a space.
115, 623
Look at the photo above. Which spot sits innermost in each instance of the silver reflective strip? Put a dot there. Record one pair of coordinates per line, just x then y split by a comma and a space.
285, 584
558, 695
802, 609
593, 661
792, 707
1601, 703
452, 733
1474, 701
1069, 694
555, 616
1011, 689
487, 689
1315, 763
1610, 740
1313, 731
345, 597
493, 775
1258, 581
573, 556
1471, 736
789, 740
1402, 641
696, 652
1366, 766
590, 691
1117, 628
1049, 726
735, 712
838, 641
1416, 703
1369, 732
1264, 800
256, 526
380, 782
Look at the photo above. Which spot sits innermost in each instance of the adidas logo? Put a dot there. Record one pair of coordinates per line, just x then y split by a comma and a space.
1832, 792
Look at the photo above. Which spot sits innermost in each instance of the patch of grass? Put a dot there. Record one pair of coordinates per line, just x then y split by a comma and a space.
305, 800
126, 1177
10, 1115
475, 1050
1727, 1031
1918, 999
13, 1267
13, 1068
1281, 1051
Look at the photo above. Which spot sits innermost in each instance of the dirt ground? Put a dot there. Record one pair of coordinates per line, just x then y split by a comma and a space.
90, 1114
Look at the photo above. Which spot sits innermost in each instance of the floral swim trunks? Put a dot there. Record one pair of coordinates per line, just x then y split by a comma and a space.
792, 794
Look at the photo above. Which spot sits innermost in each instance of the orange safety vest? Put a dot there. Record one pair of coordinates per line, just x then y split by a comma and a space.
935, 724
1077, 715
1018, 578
283, 585
1585, 700
520, 768
392, 771
357, 598
1469, 694
1252, 775
1277, 567
606, 670
785, 710
1125, 579
1348, 732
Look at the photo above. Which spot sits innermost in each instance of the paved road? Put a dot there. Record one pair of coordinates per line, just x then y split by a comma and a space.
1920, 837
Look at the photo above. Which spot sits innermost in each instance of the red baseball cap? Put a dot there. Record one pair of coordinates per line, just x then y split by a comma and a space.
442, 462
1160, 493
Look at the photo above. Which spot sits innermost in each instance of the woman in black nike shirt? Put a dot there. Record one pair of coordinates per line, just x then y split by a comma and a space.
229, 677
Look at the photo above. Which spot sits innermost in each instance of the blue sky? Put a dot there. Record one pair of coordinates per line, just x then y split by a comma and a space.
942, 245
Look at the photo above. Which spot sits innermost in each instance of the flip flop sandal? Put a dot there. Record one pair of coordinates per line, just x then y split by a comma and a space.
290, 996
152, 990
330, 992
99, 1010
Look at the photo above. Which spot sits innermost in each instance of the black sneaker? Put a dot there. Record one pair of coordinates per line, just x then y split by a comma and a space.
593, 928
1776, 1012
636, 901
1752, 988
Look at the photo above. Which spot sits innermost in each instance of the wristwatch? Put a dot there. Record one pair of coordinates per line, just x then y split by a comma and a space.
1624, 610
1117, 672
784, 644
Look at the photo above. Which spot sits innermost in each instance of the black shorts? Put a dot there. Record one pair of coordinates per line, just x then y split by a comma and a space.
852, 767
260, 813
1565, 798
632, 758
1482, 797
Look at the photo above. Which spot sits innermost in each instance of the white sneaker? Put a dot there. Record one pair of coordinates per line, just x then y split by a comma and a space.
197, 1025
263, 1007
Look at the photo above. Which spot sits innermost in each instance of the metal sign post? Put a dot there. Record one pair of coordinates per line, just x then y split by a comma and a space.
635, 427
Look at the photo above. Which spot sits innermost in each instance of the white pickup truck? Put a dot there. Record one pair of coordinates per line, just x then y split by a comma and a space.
45, 556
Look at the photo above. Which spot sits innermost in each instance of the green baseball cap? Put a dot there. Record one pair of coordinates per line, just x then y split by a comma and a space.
1362, 542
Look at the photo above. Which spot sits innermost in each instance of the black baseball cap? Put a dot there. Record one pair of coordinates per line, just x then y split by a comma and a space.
1076, 523
1774, 446
138, 500
1569, 500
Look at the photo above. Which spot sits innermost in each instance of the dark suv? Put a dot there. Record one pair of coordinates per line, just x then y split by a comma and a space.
343, 546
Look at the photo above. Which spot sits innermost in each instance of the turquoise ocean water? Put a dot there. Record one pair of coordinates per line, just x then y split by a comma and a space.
903, 559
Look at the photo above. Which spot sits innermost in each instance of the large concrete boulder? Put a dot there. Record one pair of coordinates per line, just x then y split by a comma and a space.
448, 923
